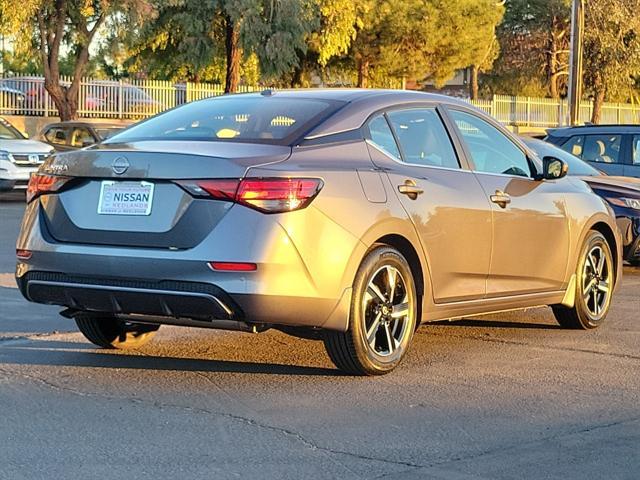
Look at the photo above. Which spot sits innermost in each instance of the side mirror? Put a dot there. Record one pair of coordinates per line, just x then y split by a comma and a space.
553, 168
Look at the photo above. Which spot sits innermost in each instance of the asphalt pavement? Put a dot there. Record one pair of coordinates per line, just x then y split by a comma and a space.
507, 396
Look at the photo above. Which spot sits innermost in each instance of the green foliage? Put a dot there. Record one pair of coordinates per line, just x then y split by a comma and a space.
429, 39
339, 22
534, 48
612, 48
186, 38
275, 31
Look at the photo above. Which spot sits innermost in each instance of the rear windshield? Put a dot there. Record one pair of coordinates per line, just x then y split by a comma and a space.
236, 118
108, 132
7, 132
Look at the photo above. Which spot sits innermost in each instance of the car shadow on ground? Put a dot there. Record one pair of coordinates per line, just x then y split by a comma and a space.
69, 354
470, 322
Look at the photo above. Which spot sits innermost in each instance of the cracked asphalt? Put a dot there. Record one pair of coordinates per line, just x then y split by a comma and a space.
507, 396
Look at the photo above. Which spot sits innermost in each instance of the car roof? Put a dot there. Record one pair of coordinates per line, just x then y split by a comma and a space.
73, 123
352, 94
593, 130
360, 104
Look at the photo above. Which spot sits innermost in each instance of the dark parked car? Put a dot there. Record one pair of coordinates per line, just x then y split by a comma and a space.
613, 149
622, 193
65, 136
345, 215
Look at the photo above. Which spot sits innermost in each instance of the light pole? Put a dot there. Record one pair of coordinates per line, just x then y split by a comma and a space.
575, 61
2, 54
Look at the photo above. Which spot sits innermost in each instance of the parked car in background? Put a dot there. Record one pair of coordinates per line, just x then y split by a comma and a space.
613, 149
344, 215
35, 98
115, 97
621, 193
65, 136
11, 100
19, 156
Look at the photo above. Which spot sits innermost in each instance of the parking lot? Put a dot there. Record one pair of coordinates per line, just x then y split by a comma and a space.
505, 396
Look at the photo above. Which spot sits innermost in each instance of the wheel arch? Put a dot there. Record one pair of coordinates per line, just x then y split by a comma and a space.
606, 226
409, 252
609, 234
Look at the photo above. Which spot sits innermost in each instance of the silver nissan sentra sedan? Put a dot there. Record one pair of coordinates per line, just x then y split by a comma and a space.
349, 216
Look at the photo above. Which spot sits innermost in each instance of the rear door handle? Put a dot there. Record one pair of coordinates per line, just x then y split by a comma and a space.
410, 189
500, 198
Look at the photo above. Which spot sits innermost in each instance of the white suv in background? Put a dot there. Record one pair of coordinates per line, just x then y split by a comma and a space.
19, 157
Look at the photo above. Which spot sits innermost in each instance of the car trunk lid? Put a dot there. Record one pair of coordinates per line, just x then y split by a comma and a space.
156, 212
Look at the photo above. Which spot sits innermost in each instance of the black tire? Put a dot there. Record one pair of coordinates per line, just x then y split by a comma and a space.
109, 332
351, 351
584, 315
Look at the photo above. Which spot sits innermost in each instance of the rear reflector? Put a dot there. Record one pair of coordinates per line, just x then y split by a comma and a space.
267, 195
40, 184
23, 254
233, 266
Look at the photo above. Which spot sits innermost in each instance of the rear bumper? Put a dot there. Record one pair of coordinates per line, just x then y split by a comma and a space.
292, 285
182, 303
164, 299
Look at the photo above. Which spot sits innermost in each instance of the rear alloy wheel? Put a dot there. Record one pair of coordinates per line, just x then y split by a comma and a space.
382, 319
594, 286
109, 332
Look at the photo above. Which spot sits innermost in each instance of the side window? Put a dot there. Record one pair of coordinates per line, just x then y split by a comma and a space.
575, 145
380, 134
491, 150
56, 136
636, 149
602, 148
423, 138
81, 137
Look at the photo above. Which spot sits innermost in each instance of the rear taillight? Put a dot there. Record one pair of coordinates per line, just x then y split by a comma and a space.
23, 254
267, 195
40, 184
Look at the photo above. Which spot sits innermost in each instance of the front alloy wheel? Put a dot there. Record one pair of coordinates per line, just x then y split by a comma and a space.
595, 281
382, 319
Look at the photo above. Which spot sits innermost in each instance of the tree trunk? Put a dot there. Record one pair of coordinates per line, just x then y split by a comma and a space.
234, 54
597, 105
298, 76
65, 100
473, 83
51, 31
300, 70
552, 65
363, 72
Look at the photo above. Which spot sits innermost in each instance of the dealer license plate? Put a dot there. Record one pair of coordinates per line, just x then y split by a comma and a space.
125, 198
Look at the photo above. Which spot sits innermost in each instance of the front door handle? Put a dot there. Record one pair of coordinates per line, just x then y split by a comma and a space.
500, 198
410, 189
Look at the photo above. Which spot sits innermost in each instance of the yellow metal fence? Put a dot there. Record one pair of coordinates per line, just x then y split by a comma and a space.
135, 99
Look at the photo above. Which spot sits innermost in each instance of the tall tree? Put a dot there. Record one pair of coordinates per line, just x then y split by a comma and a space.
56, 24
428, 39
611, 50
534, 48
196, 36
